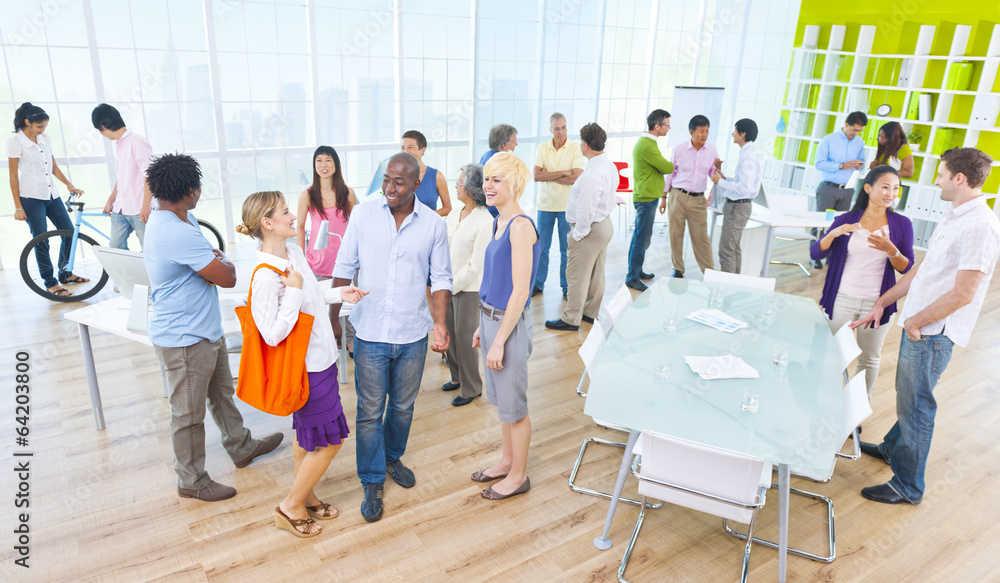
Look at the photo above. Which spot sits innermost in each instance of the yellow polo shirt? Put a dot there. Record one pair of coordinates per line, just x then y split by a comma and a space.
552, 196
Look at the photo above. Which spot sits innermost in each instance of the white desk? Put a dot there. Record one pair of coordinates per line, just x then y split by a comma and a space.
774, 218
112, 316
798, 403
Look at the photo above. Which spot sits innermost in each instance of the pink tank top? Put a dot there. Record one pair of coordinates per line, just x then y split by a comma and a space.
321, 261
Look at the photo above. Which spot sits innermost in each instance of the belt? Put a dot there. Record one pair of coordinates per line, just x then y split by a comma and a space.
690, 193
742, 200
491, 312
840, 186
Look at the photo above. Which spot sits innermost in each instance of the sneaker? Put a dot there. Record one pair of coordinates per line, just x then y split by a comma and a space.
371, 506
400, 474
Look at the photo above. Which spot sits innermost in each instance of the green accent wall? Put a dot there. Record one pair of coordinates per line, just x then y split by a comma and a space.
899, 21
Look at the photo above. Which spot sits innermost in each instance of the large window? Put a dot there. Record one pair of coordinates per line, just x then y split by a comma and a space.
251, 87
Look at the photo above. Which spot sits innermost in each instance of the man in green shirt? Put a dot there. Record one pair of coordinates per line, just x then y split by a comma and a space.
648, 168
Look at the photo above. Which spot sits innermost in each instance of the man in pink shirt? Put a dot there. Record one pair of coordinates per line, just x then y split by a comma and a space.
129, 203
694, 161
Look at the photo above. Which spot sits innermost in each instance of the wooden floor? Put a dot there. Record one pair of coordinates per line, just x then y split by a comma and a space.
104, 505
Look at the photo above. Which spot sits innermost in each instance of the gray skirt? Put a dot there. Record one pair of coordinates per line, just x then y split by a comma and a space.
507, 388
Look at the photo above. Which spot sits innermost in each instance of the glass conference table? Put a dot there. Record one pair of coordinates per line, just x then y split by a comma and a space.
801, 407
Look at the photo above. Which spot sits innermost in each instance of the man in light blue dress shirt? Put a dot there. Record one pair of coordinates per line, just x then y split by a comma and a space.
396, 242
837, 157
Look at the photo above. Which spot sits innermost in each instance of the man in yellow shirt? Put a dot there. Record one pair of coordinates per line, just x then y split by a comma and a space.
558, 163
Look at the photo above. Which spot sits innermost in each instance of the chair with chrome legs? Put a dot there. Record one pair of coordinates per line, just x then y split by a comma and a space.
708, 479
856, 410
591, 348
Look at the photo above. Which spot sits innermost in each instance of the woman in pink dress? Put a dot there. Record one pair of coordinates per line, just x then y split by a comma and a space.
327, 199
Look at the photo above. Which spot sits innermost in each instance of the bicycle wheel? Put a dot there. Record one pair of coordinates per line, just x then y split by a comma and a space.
85, 265
212, 234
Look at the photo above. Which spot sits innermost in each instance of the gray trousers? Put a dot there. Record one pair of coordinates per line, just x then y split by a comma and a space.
829, 196
585, 272
200, 378
463, 359
734, 219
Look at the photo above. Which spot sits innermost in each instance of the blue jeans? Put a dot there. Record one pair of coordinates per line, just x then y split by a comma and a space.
384, 371
36, 211
546, 221
122, 226
645, 212
920, 366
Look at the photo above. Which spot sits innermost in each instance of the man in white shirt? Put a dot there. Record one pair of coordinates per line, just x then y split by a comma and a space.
591, 200
130, 200
739, 192
946, 292
397, 243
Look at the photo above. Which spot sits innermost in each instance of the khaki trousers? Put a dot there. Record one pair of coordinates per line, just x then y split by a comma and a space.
585, 272
683, 207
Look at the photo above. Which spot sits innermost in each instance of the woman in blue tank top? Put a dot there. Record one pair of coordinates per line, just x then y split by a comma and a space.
432, 185
505, 323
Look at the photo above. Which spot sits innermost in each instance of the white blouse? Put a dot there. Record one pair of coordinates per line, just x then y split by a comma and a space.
275, 307
467, 240
34, 165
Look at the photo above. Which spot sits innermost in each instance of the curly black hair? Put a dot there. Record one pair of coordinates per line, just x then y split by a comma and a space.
171, 177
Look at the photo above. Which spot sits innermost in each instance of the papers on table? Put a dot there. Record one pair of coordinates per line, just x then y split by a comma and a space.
721, 367
717, 319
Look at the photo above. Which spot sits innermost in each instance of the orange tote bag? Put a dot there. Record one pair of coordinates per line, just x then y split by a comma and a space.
273, 378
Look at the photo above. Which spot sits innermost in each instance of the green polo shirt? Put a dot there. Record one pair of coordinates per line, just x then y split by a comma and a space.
648, 168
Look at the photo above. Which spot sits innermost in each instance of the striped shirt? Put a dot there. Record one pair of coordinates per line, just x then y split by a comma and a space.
967, 239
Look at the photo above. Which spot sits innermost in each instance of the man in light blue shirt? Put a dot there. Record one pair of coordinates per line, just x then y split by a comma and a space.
397, 243
837, 157
186, 329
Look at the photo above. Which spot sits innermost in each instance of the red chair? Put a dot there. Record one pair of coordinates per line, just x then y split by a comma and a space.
624, 186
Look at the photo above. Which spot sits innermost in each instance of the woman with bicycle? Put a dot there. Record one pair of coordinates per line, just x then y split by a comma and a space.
320, 425
29, 158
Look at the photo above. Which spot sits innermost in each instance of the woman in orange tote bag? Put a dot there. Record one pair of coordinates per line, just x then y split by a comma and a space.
276, 301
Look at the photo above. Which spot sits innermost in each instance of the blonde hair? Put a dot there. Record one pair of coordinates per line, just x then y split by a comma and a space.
256, 207
512, 168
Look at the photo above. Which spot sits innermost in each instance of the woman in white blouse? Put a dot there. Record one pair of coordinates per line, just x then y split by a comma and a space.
320, 425
31, 165
469, 233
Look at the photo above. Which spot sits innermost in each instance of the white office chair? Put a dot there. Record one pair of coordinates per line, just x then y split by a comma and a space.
701, 477
345, 311
847, 347
788, 202
856, 410
713, 277
613, 309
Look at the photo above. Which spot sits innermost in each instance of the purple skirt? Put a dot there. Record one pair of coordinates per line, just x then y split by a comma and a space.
321, 421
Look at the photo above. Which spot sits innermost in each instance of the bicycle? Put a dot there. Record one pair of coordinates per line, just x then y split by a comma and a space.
81, 261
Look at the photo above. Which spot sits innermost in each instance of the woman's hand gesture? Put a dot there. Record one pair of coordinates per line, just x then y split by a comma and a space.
351, 294
291, 278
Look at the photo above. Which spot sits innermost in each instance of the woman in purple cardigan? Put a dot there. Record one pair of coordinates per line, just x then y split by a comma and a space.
866, 246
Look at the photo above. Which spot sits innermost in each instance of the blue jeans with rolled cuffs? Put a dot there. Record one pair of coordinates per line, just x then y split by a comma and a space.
36, 211
920, 366
387, 379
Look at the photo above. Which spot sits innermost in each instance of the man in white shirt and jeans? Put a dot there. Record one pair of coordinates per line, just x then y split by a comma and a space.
130, 200
946, 293
397, 243
739, 192
591, 200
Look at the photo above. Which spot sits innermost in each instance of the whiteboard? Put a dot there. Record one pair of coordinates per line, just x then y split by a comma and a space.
689, 102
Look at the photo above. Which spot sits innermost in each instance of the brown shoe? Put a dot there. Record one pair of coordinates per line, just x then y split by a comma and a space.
264, 446
213, 492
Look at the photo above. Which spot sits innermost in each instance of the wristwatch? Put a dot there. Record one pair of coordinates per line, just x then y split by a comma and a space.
898, 253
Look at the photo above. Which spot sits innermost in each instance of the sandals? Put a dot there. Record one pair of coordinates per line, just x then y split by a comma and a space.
323, 511
282, 521
481, 476
61, 292
73, 278
491, 494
